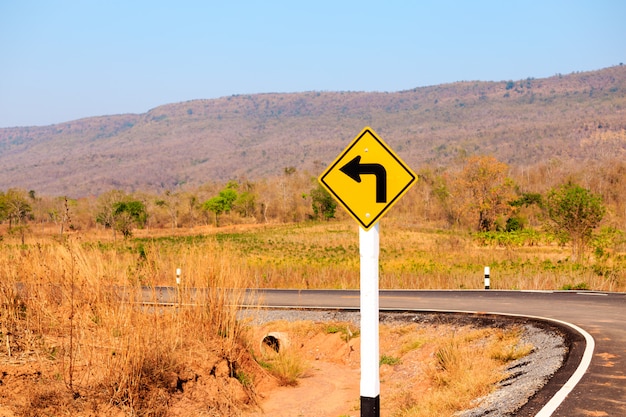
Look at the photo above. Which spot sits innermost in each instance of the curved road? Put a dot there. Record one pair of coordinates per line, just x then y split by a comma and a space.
602, 389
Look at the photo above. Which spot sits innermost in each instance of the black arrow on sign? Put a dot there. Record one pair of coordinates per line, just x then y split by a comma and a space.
354, 169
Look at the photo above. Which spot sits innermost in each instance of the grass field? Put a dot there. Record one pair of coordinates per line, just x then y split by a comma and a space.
326, 255
74, 349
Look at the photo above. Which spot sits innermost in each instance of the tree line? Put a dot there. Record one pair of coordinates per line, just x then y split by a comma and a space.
478, 193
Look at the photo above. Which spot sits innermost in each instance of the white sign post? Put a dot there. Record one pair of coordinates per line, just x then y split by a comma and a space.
367, 178
369, 248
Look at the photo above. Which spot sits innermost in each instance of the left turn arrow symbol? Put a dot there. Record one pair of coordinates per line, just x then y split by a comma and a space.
354, 169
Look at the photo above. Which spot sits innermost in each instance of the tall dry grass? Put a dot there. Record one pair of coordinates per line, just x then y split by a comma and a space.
458, 365
60, 309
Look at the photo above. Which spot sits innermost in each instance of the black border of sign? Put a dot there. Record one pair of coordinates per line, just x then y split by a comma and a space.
388, 206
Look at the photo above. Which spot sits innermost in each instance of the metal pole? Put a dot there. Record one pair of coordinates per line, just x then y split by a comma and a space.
369, 247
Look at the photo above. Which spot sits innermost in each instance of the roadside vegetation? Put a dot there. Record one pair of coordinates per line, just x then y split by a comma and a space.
76, 349
425, 369
69, 345
554, 228
74, 341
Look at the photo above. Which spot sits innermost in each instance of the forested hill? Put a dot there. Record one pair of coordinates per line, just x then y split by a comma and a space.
580, 116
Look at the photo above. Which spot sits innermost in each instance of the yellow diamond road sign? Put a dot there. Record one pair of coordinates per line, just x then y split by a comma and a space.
367, 178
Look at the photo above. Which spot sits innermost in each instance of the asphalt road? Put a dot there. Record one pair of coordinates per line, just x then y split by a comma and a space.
602, 389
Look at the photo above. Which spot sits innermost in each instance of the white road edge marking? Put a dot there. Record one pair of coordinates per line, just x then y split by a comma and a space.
602, 294
571, 383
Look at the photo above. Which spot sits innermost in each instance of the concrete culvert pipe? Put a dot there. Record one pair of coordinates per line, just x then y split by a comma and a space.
276, 341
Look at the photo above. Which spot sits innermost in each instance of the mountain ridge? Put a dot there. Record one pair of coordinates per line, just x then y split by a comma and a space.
579, 117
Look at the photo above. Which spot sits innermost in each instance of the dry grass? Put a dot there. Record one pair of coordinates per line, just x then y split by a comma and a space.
287, 366
326, 255
59, 310
457, 365
102, 356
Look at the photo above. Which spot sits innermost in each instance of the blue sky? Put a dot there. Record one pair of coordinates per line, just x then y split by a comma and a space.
61, 60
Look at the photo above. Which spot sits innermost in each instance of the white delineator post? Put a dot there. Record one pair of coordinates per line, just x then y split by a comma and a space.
487, 281
369, 248
178, 299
